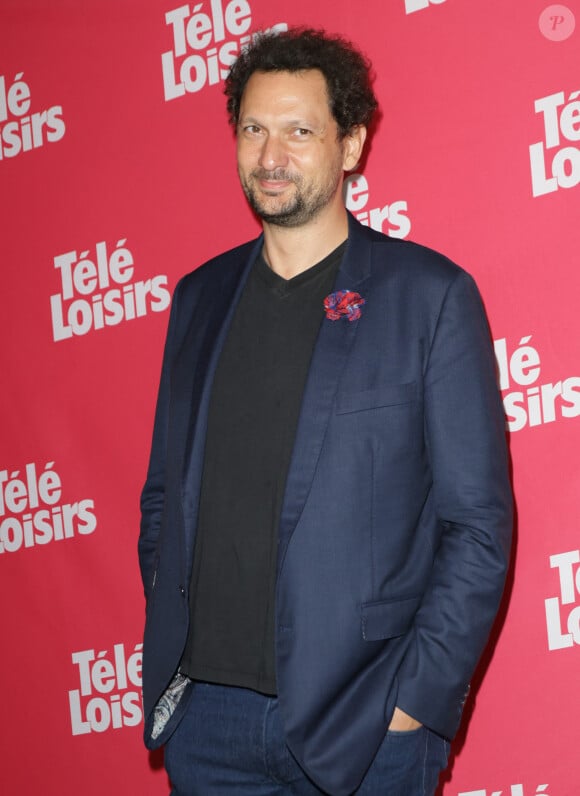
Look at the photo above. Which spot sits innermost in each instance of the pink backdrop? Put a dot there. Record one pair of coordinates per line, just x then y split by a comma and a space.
118, 175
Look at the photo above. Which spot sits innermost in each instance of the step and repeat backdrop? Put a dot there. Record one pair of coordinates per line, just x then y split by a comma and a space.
117, 175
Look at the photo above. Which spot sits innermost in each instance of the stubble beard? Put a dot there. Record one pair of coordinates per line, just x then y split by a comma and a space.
300, 208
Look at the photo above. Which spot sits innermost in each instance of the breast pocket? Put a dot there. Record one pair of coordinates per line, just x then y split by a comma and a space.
385, 395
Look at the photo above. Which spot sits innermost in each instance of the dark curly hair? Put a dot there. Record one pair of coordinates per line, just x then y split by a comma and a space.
346, 70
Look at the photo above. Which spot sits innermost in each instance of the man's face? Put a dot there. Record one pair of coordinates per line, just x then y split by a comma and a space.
290, 159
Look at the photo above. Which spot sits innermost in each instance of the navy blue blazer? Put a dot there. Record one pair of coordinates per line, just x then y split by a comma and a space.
395, 527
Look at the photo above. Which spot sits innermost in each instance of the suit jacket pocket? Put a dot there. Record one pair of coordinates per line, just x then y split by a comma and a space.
388, 618
386, 395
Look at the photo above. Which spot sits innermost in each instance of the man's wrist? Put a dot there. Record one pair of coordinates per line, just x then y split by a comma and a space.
402, 722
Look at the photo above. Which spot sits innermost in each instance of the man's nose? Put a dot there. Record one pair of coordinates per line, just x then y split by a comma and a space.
273, 154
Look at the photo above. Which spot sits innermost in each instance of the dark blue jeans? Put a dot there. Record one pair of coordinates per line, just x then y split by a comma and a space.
231, 742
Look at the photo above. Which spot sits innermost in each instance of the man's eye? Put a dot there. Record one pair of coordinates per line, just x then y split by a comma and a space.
302, 131
252, 129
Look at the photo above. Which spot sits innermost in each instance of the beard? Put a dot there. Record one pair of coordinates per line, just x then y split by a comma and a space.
306, 201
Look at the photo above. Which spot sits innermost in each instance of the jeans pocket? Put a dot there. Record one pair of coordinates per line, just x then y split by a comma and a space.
405, 733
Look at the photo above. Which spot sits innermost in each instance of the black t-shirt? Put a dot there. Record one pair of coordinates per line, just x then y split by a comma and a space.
254, 409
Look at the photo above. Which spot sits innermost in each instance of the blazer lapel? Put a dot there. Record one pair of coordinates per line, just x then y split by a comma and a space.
330, 354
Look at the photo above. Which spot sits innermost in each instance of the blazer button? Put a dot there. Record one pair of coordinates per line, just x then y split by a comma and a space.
182, 591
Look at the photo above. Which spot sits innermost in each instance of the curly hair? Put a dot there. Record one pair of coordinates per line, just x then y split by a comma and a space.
346, 71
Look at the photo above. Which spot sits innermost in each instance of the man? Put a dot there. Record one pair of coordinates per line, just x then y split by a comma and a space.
327, 512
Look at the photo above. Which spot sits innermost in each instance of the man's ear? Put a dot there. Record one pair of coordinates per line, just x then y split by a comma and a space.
353, 143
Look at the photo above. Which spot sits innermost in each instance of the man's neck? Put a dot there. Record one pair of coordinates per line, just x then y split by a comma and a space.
291, 250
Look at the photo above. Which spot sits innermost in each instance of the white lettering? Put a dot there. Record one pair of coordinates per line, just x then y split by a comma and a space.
88, 300
561, 120
106, 699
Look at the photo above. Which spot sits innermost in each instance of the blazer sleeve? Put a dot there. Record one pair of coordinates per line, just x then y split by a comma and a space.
466, 442
153, 493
